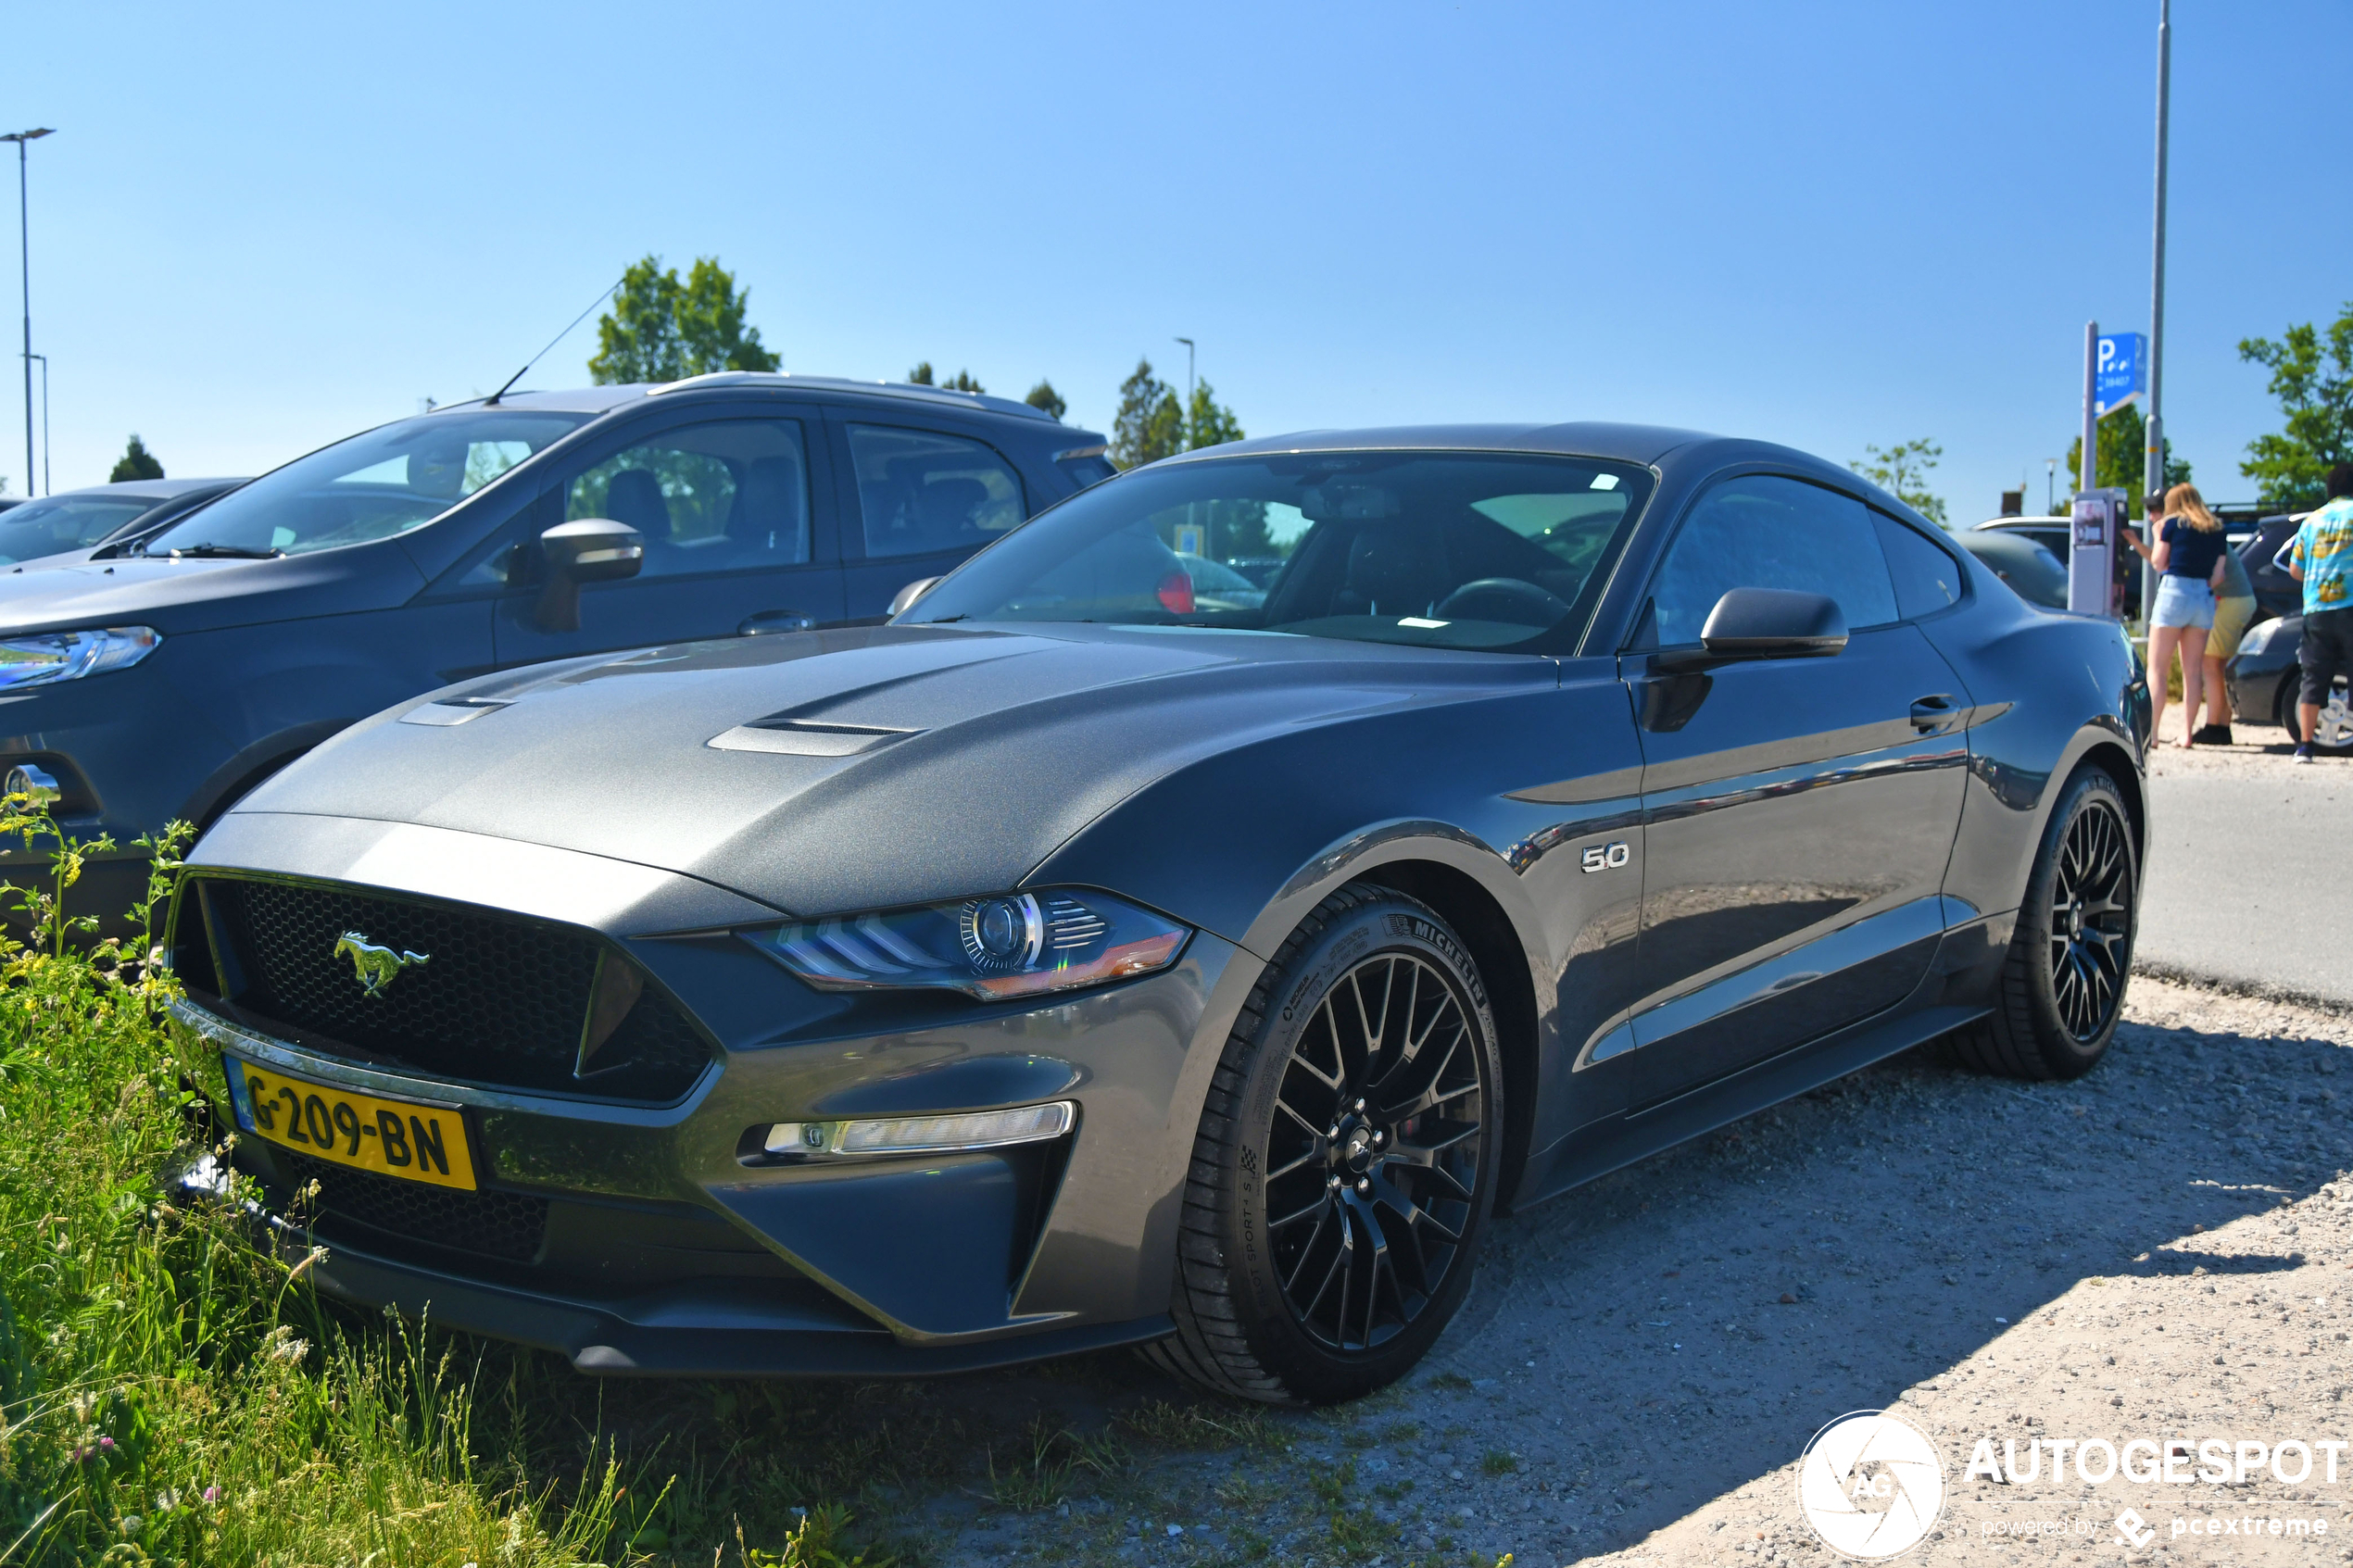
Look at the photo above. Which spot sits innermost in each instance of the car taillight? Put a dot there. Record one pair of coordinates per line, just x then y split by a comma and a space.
1176, 593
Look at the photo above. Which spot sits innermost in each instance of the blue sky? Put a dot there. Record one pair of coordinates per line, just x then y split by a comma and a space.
260, 229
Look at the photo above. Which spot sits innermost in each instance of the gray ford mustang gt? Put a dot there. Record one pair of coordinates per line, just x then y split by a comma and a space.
1077, 961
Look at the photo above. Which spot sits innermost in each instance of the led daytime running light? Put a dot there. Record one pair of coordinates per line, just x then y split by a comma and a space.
924, 1134
1002, 946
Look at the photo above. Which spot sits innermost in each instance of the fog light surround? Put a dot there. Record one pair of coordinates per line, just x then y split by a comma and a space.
953, 1133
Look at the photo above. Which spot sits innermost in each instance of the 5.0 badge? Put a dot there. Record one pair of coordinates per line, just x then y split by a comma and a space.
1605, 857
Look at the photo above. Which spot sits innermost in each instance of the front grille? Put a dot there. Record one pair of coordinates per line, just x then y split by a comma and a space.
500, 1000
496, 1225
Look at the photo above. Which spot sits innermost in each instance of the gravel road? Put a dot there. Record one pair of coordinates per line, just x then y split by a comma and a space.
2159, 1250
2248, 879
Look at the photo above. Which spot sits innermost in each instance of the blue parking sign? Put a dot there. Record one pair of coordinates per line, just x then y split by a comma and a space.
2121, 372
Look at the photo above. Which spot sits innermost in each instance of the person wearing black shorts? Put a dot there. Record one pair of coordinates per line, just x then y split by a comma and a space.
2321, 558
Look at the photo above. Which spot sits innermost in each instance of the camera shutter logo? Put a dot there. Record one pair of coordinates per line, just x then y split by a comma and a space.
1871, 1485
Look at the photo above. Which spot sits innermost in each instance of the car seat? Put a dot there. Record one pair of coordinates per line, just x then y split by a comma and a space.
633, 497
768, 520
1393, 569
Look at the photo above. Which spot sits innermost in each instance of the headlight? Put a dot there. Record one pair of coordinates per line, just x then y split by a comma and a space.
48, 657
2259, 639
1007, 945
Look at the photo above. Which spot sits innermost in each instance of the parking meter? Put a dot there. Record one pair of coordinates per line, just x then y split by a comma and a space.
2097, 530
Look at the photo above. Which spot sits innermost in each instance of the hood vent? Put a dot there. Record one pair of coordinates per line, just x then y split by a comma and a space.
800, 737
453, 710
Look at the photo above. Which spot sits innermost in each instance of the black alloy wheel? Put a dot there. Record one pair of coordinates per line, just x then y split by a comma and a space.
2062, 985
2091, 933
1372, 1164
1347, 1161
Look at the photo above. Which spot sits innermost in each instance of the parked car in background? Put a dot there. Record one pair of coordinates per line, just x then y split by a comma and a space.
1218, 587
1262, 571
1071, 963
67, 525
2276, 594
2055, 534
2263, 679
166, 681
2019, 559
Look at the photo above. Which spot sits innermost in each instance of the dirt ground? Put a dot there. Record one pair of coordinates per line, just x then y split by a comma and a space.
2163, 1249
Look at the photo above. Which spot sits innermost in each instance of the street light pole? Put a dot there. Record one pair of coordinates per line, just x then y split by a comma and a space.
45, 429
1189, 387
25, 240
2153, 475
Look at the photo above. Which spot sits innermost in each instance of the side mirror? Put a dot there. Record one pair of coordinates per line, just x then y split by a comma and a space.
1765, 623
906, 597
595, 550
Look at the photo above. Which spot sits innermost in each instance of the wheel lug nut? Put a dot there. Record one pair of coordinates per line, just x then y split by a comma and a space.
1363, 1186
1379, 1139
1332, 1131
1360, 1105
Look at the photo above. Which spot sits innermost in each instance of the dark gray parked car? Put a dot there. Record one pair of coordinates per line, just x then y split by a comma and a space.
68, 525
165, 681
1081, 959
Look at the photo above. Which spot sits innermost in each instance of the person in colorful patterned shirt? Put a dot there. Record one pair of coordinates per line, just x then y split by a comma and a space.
2321, 558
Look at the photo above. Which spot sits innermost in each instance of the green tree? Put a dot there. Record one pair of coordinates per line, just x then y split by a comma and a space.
2124, 437
1151, 422
921, 375
136, 462
1209, 421
658, 329
1902, 471
1043, 396
2317, 398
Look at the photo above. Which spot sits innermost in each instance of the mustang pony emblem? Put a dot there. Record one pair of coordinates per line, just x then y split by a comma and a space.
377, 966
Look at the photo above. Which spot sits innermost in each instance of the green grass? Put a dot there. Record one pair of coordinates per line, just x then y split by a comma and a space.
173, 1391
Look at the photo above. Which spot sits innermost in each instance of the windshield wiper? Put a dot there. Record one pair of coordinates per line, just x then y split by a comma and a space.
237, 552
944, 620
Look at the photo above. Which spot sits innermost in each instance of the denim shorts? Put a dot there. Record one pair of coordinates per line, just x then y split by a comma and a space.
2184, 601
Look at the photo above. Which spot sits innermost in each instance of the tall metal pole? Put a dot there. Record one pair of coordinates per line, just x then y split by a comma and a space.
2090, 477
45, 430
24, 236
2153, 477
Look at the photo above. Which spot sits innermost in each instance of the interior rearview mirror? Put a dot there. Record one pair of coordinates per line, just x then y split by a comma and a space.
1749, 624
594, 549
910, 593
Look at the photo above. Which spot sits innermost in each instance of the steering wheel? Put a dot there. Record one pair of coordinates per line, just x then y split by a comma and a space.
1507, 599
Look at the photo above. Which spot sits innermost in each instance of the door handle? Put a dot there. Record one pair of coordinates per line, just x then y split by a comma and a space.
1932, 713
769, 621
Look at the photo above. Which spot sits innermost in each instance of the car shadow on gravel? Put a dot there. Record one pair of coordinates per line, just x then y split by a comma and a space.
1664, 1336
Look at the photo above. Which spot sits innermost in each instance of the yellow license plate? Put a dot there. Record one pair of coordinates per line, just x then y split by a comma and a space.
392, 1137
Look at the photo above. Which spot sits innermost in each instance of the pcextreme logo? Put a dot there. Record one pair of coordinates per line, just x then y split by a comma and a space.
1871, 1485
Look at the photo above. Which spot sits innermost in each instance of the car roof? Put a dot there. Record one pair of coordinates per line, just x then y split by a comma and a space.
1625, 442
603, 399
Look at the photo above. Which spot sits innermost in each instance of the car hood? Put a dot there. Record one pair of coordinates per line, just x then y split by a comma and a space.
824, 773
195, 594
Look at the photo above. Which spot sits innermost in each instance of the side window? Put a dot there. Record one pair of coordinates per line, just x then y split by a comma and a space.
922, 491
1927, 578
1761, 530
729, 496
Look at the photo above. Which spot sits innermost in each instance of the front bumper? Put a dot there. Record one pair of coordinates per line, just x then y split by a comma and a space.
670, 1245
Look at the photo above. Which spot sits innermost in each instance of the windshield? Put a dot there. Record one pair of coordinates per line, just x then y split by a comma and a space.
65, 522
372, 486
1446, 549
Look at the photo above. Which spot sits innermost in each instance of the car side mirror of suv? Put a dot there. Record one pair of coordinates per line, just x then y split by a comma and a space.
1763, 623
594, 549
